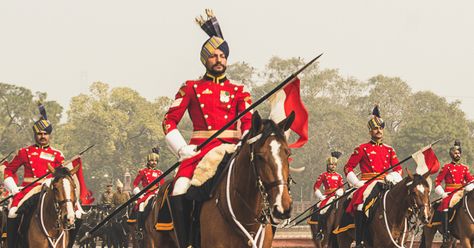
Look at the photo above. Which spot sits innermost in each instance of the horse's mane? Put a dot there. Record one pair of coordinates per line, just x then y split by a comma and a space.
273, 129
61, 172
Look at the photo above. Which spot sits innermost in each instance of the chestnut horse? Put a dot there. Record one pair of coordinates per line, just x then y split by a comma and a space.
388, 227
462, 226
253, 196
54, 214
329, 224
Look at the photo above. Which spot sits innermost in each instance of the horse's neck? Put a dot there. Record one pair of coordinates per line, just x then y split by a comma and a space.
46, 209
397, 203
244, 192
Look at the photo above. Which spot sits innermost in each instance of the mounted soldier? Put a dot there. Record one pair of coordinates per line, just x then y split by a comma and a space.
333, 187
211, 102
119, 196
145, 176
373, 158
454, 175
106, 197
35, 160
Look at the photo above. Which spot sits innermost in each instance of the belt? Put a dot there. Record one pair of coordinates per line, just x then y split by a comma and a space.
32, 179
453, 185
233, 134
329, 191
368, 176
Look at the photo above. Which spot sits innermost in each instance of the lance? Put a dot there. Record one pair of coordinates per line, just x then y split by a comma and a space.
43, 176
5, 158
314, 205
217, 133
353, 189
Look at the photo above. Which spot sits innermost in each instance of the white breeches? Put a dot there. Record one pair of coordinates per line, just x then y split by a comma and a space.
181, 186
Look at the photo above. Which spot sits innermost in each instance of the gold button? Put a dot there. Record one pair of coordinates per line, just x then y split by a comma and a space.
209, 127
195, 86
202, 105
236, 88
205, 116
198, 95
228, 106
232, 96
225, 116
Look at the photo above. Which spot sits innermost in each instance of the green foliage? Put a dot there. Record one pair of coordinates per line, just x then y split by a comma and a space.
125, 126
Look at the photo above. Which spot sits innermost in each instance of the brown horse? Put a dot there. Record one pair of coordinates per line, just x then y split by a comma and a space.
389, 226
54, 214
329, 224
151, 237
252, 197
462, 227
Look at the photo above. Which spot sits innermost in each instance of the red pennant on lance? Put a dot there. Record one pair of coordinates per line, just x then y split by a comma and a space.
84, 194
426, 160
286, 100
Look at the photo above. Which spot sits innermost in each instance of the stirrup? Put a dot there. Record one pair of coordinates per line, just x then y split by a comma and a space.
319, 236
139, 234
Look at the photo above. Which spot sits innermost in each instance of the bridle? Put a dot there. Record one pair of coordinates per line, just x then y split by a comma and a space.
264, 187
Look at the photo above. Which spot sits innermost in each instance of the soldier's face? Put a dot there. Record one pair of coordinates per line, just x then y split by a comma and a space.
216, 63
376, 133
152, 163
109, 188
331, 167
42, 138
455, 155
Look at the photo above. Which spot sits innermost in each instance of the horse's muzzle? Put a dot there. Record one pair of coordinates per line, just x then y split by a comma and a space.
281, 215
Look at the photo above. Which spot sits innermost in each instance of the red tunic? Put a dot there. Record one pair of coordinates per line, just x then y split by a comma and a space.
210, 105
35, 161
372, 159
145, 176
332, 181
454, 176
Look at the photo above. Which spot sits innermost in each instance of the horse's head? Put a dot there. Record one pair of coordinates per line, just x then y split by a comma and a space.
419, 193
64, 190
269, 153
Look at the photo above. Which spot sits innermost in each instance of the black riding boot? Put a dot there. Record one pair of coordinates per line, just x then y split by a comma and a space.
181, 212
319, 234
140, 225
73, 233
445, 222
12, 232
360, 228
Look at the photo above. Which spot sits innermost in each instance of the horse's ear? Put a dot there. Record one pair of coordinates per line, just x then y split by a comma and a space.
426, 175
51, 168
74, 170
256, 121
286, 123
410, 175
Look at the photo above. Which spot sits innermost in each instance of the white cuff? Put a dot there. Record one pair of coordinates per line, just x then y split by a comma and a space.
439, 190
352, 179
11, 185
339, 192
469, 187
175, 141
318, 194
136, 190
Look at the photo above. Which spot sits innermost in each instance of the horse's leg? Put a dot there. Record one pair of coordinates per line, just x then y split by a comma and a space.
465, 242
314, 231
344, 240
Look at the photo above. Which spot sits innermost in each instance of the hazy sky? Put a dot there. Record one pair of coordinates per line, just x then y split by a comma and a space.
61, 47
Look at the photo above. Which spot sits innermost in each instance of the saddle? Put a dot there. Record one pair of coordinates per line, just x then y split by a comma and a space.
436, 218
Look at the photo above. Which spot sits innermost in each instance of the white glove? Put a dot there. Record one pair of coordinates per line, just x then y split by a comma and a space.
393, 177
136, 190
319, 195
11, 185
352, 178
339, 192
469, 187
440, 191
187, 151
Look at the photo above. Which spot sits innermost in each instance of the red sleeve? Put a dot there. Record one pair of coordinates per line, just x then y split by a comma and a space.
243, 102
138, 179
394, 160
12, 167
177, 109
318, 182
467, 175
340, 184
58, 160
441, 175
353, 160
